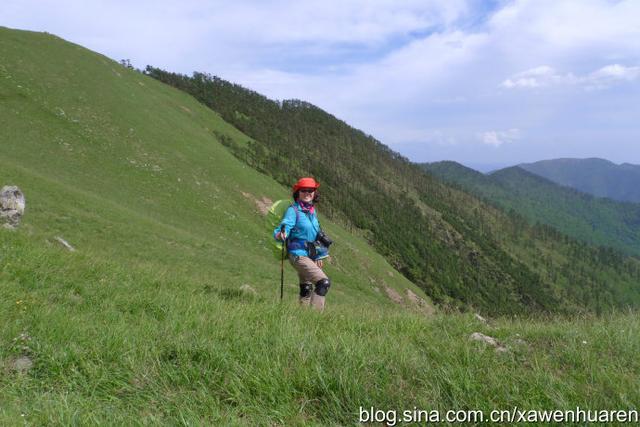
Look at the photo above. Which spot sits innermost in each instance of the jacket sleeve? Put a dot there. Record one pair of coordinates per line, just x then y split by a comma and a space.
289, 221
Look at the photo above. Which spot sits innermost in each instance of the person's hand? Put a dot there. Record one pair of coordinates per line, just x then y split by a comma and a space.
319, 263
281, 236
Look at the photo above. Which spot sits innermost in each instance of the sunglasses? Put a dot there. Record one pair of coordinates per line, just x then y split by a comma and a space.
307, 190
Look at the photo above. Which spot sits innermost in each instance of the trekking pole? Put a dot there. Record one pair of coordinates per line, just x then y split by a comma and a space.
284, 243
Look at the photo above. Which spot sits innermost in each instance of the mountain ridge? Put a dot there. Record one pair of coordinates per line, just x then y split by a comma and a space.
596, 176
580, 215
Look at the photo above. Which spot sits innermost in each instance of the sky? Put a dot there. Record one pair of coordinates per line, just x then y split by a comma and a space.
485, 83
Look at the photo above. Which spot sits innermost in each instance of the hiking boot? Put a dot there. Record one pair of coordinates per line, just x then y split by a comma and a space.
305, 301
317, 302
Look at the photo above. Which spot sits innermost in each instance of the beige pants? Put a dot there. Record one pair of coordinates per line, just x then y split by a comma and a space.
308, 271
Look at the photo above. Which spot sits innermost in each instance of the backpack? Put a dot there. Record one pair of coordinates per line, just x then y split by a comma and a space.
273, 218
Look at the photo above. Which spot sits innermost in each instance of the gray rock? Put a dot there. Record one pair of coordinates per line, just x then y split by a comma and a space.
12, 206
64, 243
420, 303
22, 364
248, 290
480, 318
393, 295
520, 341
477, 336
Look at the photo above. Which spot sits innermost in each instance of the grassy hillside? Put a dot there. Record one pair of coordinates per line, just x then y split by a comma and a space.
598, 177
128, 169
145, 322
462, 251
590, 219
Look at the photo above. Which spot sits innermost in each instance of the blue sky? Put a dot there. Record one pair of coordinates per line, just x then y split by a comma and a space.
479, 82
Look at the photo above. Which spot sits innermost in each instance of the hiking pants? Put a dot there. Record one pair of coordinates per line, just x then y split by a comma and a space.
308, 271
310, 276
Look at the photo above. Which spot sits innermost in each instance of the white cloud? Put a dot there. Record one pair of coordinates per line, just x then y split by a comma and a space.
547, 76
497, 138
618, 72
400, 78
538, 77
534, 28
610, 75
336, 21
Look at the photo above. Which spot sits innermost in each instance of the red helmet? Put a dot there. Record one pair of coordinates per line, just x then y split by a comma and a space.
305, 183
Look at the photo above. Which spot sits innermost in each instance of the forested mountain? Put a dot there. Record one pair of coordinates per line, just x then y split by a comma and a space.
598, 177
460, 250
584, 217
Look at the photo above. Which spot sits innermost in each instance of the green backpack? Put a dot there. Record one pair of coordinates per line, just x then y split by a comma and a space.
274, 216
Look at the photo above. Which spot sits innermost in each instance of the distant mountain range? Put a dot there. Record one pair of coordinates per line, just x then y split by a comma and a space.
582, 216
598, 177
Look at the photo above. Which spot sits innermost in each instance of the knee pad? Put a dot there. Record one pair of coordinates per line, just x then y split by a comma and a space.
305, 289
322, 287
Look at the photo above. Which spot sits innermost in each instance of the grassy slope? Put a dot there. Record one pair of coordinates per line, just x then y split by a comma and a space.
128, 168
145, 324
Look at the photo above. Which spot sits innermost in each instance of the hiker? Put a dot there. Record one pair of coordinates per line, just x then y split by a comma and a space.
306, 244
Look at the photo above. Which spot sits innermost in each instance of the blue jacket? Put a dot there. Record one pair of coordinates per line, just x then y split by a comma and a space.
305, 230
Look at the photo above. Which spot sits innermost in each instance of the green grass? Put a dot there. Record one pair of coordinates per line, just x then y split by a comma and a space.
116, 346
